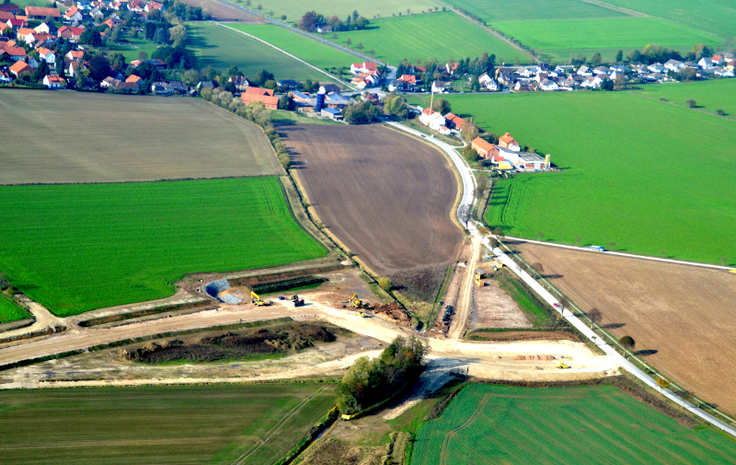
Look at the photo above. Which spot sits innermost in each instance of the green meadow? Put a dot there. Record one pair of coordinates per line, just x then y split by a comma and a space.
220, 48
228, 423
10, 312
651, 177
711, 95
561, 38
714, 16
295, 9
574, 425
75, 248
417, 38
313, 52
499, 10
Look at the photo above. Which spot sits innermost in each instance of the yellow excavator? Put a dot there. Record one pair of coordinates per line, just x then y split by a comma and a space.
356, 302
257, 301
563, 366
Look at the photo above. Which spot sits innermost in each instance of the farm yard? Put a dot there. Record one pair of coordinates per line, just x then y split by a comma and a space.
177, 424
562, 38
313, 52
444, 36
649, 191
385, 195
221, 11
165, 138
295, 9
220, 48
575, 425
681, 317
111, 244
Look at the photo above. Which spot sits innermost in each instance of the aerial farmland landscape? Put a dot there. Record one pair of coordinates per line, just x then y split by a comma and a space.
402, 232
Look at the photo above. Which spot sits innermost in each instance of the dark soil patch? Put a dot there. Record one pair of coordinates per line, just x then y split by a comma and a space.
480, 335
233, 345
420, 284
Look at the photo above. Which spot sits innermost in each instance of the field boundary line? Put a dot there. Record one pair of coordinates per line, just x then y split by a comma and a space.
623, 254
304, 33
620, 9
350, 86
493, 32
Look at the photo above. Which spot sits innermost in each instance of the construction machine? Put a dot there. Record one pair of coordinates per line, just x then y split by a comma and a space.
357, 303
257, 301
297, 301
563, 366
362, 314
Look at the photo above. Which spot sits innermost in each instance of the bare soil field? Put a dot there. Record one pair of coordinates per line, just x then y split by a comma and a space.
681, 317
386, 196
494, 308
223, 12
75, 137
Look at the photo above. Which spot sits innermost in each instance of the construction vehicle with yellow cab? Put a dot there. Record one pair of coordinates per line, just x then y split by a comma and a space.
563, 366
356, 302
257, 301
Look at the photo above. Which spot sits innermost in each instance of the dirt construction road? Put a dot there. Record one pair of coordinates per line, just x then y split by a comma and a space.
493, 360
681, 317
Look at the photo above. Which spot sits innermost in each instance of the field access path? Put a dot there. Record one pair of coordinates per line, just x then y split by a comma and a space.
473, 227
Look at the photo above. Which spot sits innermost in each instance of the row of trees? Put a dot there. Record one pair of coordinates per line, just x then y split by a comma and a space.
370, 381
312, 20
254, 112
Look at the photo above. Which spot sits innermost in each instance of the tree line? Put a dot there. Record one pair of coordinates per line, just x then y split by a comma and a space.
313, 20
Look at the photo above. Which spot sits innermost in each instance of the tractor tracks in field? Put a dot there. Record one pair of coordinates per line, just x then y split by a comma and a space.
444, 448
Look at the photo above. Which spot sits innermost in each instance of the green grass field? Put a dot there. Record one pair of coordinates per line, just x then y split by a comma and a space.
74, 248
715, 16
645, 174
711, 95
133, 48
159, 425
220, 48
10, 312
561, 38
295, 9
499, 10
313, 52
577, 425
417, 38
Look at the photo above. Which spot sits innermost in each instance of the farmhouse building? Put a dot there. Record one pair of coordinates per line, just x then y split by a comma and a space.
72, 14
53, 82
508, 142
11, 8
20, 67
37, 12
365, 67
483, 148
258, 94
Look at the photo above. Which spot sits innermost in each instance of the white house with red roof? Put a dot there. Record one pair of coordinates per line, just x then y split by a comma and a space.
153, 6
71, 33
74, 55
365, 67
47, 55
53, 82
72, 14
508, 142
451, 67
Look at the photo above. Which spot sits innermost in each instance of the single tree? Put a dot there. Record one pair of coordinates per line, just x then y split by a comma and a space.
348, 42
538, 267
723, 261
577, 240
594, 315
611, 245
498, 232
661, 253
691, 103
721, 113
360, 46
540, 235
385, 284
627, 341
619, 56
596, 60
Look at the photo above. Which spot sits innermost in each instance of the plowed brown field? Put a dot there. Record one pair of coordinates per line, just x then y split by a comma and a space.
683, 318
223, 12
386, 196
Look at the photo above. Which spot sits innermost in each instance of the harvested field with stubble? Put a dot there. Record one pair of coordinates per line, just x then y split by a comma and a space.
223, 12
681, 317
246, 424
386, 196
80, 137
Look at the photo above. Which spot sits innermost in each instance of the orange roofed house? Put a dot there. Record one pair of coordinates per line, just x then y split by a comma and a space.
508, 142
258, 94
484, 148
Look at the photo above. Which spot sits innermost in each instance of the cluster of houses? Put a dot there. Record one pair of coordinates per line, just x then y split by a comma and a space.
44, 38
365, 74
507, 155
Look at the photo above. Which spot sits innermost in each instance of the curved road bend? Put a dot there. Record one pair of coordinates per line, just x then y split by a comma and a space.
467, 198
